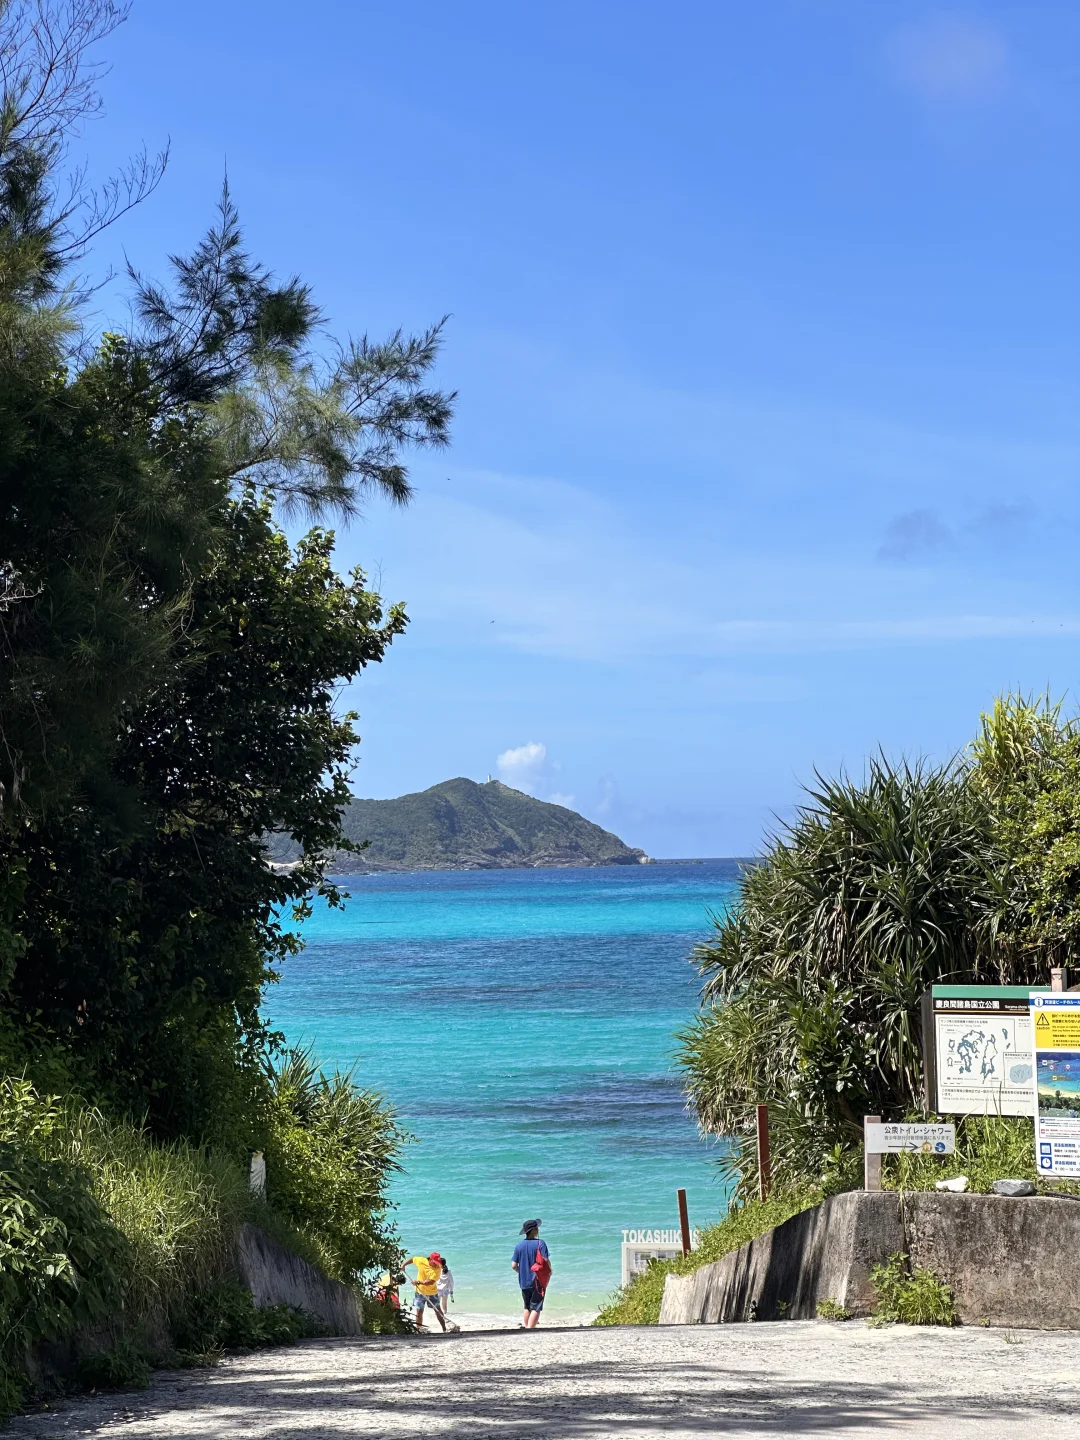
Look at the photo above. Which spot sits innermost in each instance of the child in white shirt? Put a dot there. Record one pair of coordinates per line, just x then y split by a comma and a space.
444, 1288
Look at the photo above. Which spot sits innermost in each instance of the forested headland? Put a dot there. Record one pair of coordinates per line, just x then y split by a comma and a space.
460, 825
168, 669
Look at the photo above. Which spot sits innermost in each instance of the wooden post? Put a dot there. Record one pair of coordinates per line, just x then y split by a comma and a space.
1059, 978
871, 1163
764, 1159
684, 1223
929, 1053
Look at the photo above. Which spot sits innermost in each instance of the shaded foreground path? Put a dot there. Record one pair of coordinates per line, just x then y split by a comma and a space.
740, 1381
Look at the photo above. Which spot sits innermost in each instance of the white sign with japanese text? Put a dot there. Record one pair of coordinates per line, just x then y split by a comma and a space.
888, 1139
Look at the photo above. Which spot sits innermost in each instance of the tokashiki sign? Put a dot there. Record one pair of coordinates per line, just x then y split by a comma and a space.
1056, 1026
641, 1247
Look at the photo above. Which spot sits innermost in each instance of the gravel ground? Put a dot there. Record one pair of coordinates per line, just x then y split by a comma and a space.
683, 1383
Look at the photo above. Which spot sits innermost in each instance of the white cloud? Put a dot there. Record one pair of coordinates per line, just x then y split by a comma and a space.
948, 57
555, 798
523, 765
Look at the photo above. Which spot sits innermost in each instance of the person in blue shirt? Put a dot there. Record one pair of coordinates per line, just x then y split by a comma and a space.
525, 1253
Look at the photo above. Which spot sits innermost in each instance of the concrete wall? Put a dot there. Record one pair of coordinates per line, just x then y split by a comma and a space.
1009, 1262
275, 1276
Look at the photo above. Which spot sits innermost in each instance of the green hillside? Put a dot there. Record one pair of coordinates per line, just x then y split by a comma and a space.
460, 825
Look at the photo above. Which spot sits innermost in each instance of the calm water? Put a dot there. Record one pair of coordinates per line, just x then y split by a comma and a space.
522, 1022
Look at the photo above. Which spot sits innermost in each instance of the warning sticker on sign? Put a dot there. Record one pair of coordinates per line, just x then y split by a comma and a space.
1056, 1022
1057, 1029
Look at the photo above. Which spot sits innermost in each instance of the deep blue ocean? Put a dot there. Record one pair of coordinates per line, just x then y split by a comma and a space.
523, 1024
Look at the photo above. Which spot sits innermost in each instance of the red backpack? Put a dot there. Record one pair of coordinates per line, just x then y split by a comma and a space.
541, 1270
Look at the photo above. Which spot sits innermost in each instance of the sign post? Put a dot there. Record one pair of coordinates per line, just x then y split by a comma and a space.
1056, 1022
684, 1222
764, 1156
871, 1158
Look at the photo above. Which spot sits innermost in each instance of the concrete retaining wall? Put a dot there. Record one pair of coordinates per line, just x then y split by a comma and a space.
275, 1276
1009, 1262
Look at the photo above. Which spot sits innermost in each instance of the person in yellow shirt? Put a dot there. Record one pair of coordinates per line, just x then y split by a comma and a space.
426, 1296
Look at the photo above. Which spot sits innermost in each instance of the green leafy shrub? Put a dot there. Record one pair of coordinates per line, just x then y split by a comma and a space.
103, 1234
123, 1366
988, 1148
639, 1302
813, 980
831, 1310
910, 1296
63, 1262
381, 1318
223, 1316
329, 1152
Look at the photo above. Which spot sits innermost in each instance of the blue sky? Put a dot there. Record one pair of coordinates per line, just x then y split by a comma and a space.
764, 323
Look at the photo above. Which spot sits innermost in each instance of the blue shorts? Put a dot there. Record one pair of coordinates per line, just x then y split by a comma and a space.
431, 1301
532, 1298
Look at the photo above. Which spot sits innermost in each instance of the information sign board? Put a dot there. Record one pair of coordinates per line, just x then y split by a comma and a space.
888, 1139
984, 1058
1056, 1024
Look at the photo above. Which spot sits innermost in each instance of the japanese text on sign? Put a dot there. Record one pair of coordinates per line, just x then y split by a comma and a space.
886, 1139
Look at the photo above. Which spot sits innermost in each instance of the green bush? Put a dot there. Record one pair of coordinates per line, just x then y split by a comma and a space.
831, 1310
813, 980
330, 1150
910, 1296
123, 1366
639, 1302
988, 1148
116, 1241
223, 1316
64, 1264
381, 1318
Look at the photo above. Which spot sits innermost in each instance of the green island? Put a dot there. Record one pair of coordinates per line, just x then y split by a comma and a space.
461, 825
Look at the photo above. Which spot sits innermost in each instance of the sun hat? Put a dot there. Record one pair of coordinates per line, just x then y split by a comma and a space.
529, 1225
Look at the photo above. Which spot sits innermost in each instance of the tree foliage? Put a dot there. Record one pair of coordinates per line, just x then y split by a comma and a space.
330, 1150
169, 662
120, 464
965, 873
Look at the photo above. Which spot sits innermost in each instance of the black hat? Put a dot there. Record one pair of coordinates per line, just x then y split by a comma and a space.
529, 1225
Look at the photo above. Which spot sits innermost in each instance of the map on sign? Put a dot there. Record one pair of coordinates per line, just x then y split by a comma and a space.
984, 1051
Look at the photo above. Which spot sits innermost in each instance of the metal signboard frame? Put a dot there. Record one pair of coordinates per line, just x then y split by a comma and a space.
978, 1049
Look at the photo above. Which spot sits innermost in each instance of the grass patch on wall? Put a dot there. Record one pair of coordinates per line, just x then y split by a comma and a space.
639, 1302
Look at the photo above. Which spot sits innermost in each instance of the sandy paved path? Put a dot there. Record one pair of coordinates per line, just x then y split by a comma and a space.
681, 1383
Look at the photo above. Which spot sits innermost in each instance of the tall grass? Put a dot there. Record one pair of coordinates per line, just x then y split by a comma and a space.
170, 1211
108, 1239
177, 1206
988, 1148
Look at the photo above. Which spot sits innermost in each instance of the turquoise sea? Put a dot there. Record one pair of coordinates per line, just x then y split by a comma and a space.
523, 1023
